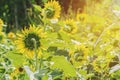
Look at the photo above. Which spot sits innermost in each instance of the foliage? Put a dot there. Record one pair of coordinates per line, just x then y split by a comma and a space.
80, 46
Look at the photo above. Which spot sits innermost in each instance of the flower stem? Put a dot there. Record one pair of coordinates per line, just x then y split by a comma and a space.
3, 74
98, 39
35, 54
40, 63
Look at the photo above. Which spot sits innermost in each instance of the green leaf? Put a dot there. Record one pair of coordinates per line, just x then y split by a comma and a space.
64, 36
45, 77
17, 59
56, 74
61, 63
116, 75
44, 1
52, 35
37, 7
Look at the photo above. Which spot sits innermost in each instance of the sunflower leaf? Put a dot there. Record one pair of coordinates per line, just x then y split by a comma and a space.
17, 59
37, 7
61, 63
44, 1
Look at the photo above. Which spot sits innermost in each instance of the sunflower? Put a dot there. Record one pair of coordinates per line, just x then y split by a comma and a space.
11, 35
52, 10
69, 26
1, 24
16, 73
79, 56
25, 43
81, 52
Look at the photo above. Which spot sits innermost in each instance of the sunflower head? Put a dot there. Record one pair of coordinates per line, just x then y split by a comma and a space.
79, 55
11, 35
69, 26
1, 24
25, 42
81, 52
52, 10
16, 73
29, 43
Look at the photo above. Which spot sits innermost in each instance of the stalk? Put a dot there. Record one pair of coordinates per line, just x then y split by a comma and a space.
35, 54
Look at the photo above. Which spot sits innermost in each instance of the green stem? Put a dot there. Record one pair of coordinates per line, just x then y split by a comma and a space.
3, 74
98, 39
36, 60
40, 62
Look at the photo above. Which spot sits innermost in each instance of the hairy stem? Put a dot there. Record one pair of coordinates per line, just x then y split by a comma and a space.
98, 39
35, 53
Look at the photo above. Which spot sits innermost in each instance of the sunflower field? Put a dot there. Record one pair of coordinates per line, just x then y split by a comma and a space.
60, 40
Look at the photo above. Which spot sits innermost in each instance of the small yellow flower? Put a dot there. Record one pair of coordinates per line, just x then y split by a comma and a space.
2, 36
69, 26
79, 56
1, 24
11, 35
82, 17
14, 75
52, 10
25, 44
